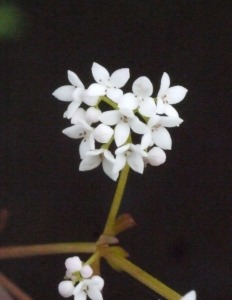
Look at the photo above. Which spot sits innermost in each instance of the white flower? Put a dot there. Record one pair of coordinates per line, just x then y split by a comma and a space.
75, 93
95, 157
169, 95
157, 133
89, 287
106, 84
132, 154
125, 119
102, 134
190, 296
142, 90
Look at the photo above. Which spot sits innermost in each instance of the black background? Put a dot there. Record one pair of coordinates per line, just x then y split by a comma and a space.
182, 208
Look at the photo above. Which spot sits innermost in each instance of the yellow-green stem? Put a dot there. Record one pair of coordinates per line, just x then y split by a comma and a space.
92, 258
142, 276
47, 249
116, 201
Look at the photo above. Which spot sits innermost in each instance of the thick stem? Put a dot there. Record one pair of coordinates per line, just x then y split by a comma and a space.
13, 289
116, 201
33, 250
142, 276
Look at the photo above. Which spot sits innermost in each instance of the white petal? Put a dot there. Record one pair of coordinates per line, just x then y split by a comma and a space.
74, 131
109, 156
128, 101
100, 74
138, 149
110, 117
114, 94
94, 293
73, 264
136, 163
156, 156
108, 169
78, 288
162, 138
78, 115
119, 78
176, 94
80, 296
98, 282
146, 140
66, 288
153, 121
164, 85
122, 149
190, 296
72, 108
170, 121
170, 111
142, 87
147, 107
89, 163
138, 126
86, 271
89, 100
92, 115
84, 147
120, 162
121, 134
103, 133
96, 89
64, 93
77, 94
95, 152
74, 79
127, 112
160, 106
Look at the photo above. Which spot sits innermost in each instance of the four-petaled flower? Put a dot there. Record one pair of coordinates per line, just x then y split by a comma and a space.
169, 95
106, 84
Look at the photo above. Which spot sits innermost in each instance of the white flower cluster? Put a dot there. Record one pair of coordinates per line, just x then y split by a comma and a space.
87, 286
136, 111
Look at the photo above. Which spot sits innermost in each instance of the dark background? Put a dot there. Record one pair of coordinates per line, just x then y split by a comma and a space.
182, 208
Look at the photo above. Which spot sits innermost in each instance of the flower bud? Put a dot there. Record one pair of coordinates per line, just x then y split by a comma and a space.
66, 288
73, 264
156, 156
86, 271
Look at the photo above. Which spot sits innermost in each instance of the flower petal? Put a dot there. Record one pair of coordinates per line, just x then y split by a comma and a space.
92, 115
110, 117
94, 293
74, 131
170, 121
176, 94
138, 126
74, 79
156, 156
122, 131
89, 163
98, 282
64, 93
96, 89
119, 78
109, 156
80, 296
128, 101
160, 106
190, 296
100, 74
102, 133
146, 140
108, 169
170, 111
147, 107
114, 94
78, 115
162, 138
78, 288
136, 163
72, 108
120, 162
84, 147
164, 85
142, 87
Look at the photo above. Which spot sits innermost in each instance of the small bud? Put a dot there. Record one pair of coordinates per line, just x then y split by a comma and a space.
86, 271
66, 288
73, 264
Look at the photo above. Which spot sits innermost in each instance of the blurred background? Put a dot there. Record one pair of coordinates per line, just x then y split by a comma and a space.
183, 208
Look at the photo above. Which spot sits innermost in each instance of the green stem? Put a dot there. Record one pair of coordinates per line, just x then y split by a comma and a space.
92, 258
116, 201
47, 249
142, 276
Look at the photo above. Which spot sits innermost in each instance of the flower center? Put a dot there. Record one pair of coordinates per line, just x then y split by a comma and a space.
155, 127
